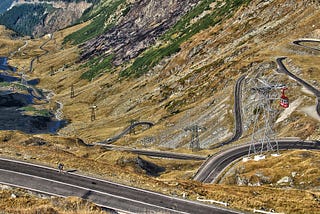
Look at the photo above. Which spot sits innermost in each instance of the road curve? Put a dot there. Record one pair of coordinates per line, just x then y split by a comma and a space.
237, 114
238, 126
37, 57
316, 92
219, 162
126, 131
161, 154
104, 193
210, 169
299, 41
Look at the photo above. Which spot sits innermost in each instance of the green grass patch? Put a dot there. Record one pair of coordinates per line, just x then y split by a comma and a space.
98, 26
36, 112
142, 64
182, 31
43, 113
4, 84
97, 66
27, 108
20, 87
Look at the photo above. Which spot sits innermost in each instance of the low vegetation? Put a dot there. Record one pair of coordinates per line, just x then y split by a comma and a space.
201, 88
14, 200
97, 66
184, 29
100, 23
21, 18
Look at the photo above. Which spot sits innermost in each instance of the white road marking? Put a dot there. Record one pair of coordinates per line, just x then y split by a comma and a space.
97, 191
53, 194
129, 187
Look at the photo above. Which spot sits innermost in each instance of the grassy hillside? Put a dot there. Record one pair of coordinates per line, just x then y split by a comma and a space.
194, 86
4, 5
182, 32
100, 16
183, 80
24, 18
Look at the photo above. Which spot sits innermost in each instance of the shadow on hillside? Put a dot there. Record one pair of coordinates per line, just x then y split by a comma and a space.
13, 119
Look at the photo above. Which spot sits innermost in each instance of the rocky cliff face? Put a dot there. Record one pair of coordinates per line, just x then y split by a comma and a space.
138, 29
36, 18
4, 5
195, 85
62, 16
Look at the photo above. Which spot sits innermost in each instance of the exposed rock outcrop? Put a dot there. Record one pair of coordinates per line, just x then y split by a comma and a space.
36, 18
63, 15
141, 26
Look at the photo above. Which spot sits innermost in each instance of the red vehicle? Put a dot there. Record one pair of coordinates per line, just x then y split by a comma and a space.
284, 100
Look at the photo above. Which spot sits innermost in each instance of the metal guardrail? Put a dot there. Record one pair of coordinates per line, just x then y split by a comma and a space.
265, 212
213, 201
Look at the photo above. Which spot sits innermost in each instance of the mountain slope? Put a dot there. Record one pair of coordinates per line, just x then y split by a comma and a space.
4, 5
183, 78
195, 85
36, 18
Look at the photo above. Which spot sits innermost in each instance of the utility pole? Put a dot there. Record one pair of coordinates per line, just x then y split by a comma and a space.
131, 127
195, 142
72, 91
93, 112
51, 71
264, 91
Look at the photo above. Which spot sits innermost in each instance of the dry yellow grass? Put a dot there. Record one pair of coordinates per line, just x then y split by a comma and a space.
302, 166
227, 51
14, 200
121, 167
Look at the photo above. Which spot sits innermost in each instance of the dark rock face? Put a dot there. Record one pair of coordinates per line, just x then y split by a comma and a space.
62, 16
139, 28
35, 141
150, 168
36, 18
15, 99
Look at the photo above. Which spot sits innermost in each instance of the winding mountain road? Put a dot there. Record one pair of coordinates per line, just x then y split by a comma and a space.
316, 92
134, 200
237, 114
202, 171
300, 42
126, 131
214, 165
219, 162
160, 154
37, 57
104, 193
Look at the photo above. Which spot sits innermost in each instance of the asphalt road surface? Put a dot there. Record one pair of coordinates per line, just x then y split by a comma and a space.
104, 193
160, 154
316, 92
219, 162
237, 114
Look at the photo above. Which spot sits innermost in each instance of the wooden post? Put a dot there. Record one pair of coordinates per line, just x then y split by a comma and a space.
93, 112
51, 71
131, 128
72, 91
